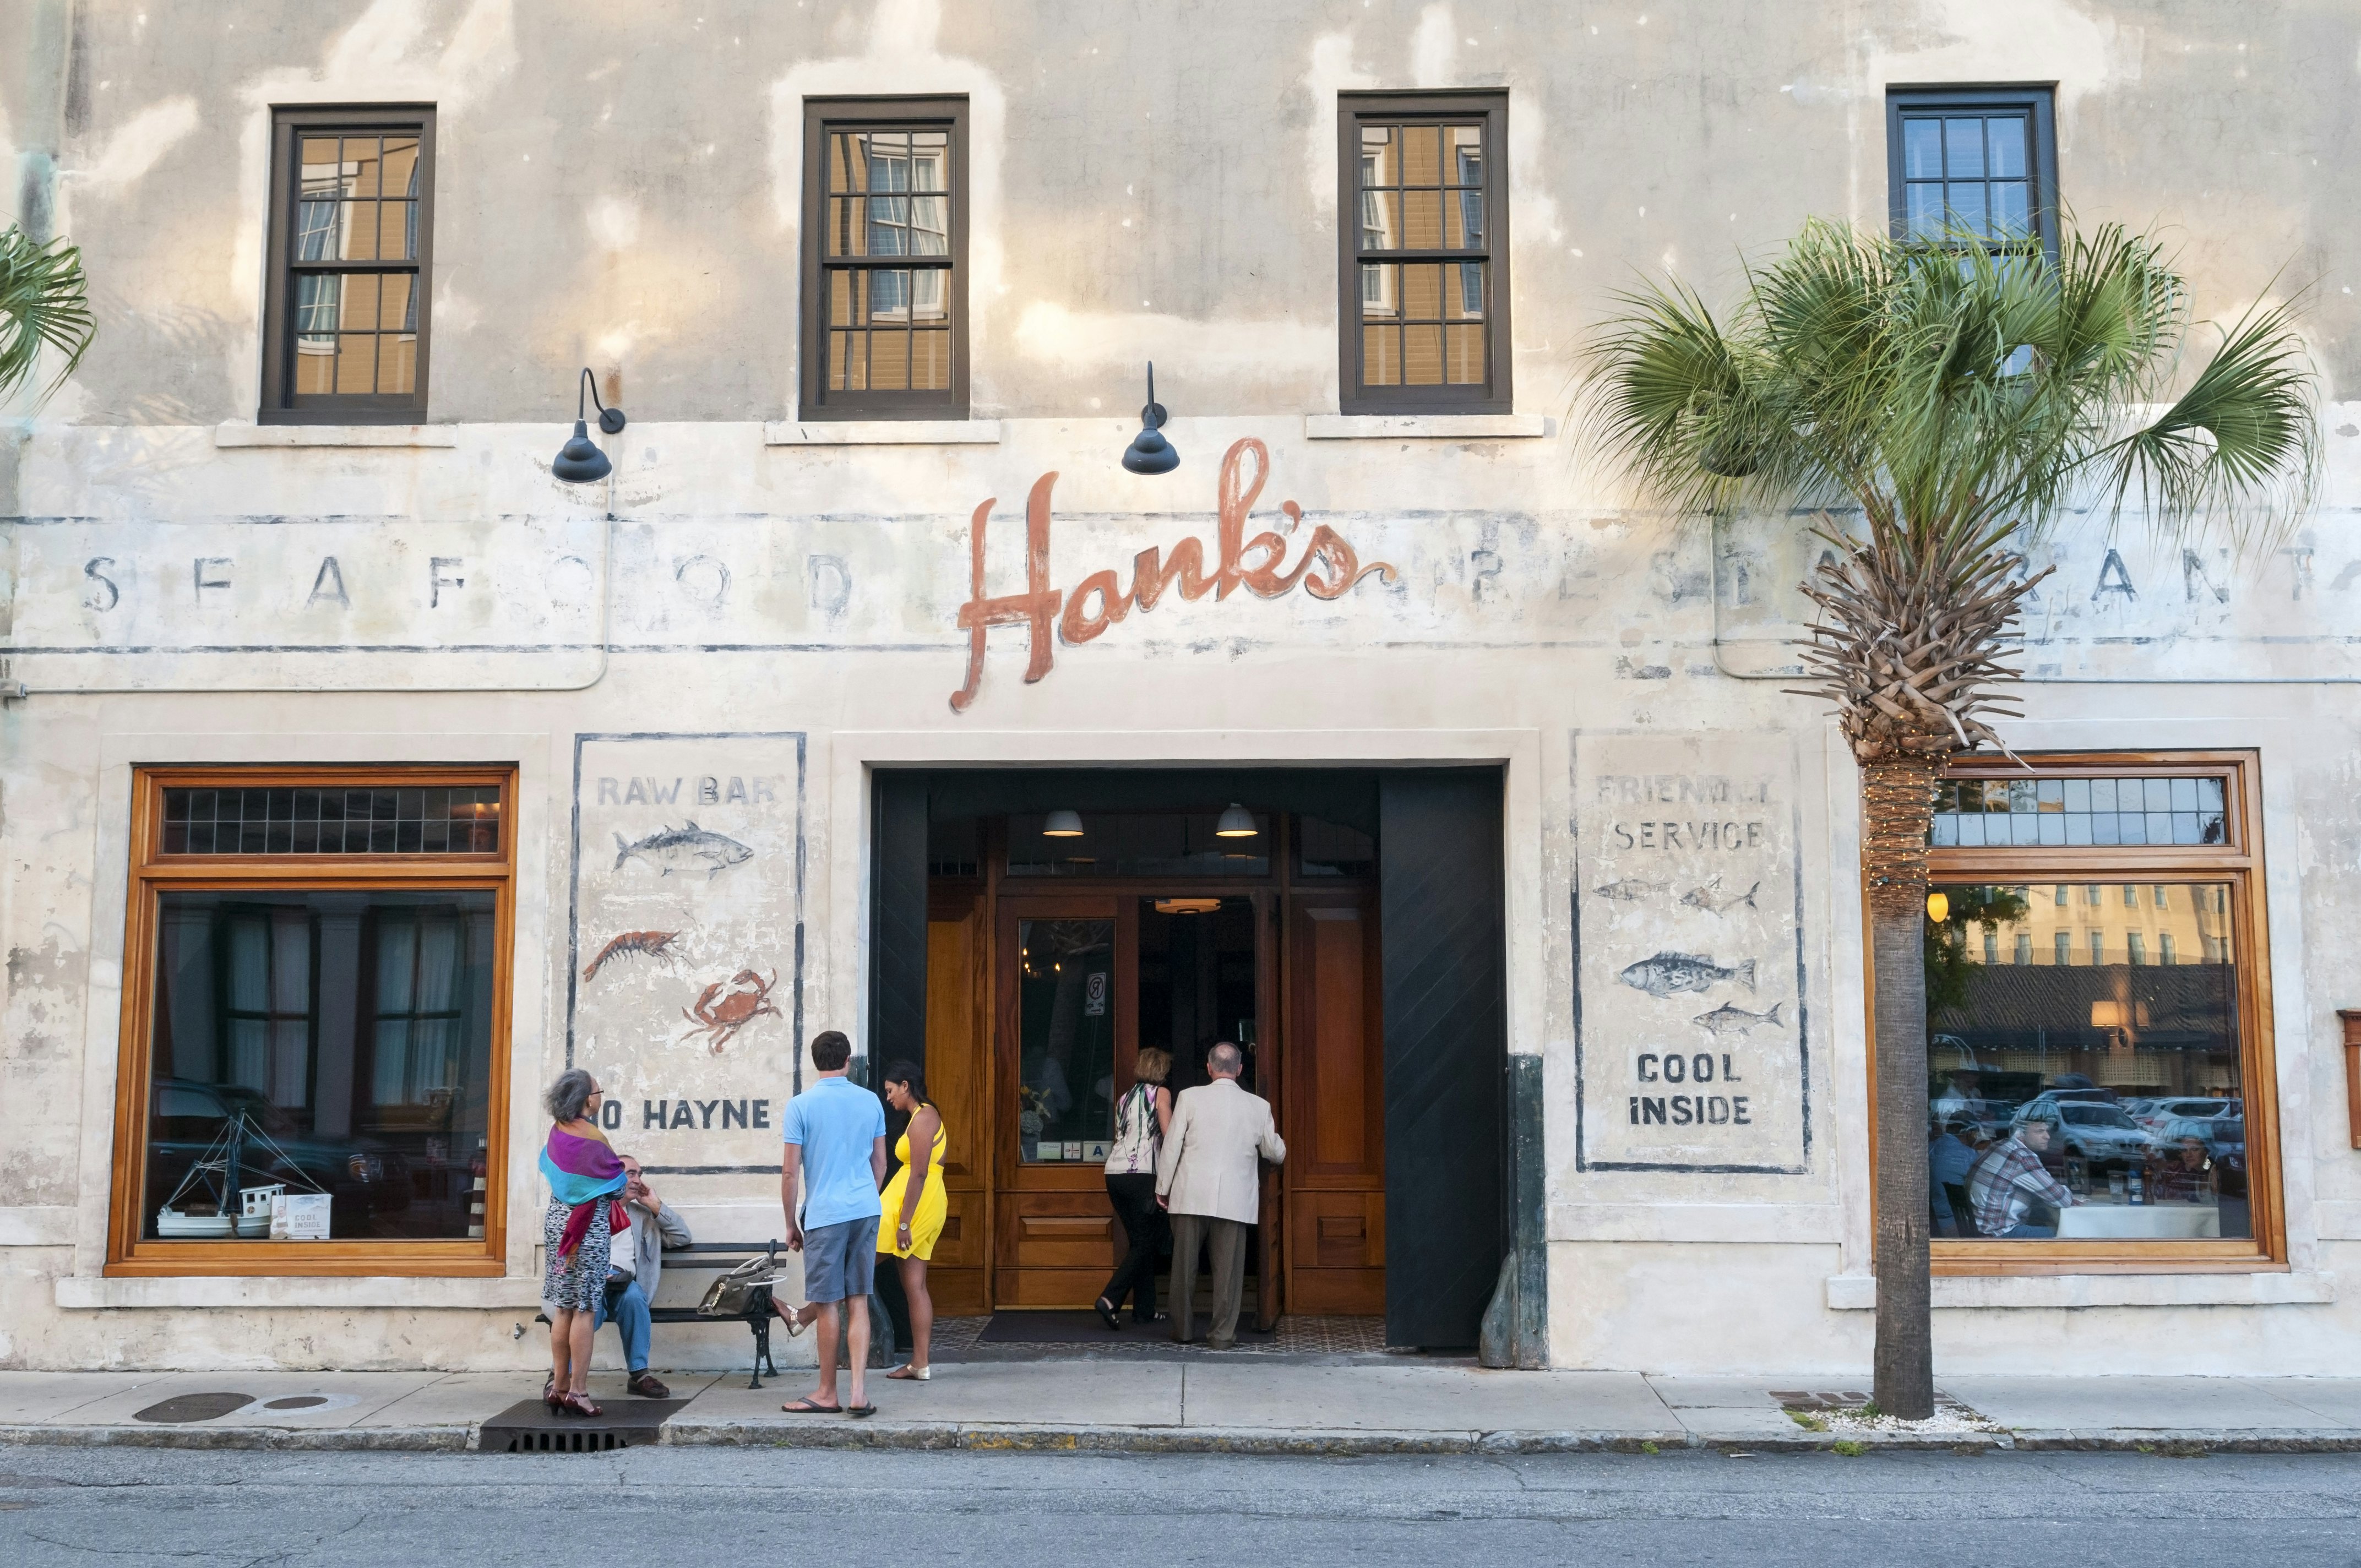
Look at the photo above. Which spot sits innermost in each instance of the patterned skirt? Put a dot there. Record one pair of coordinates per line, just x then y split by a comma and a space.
577, 1283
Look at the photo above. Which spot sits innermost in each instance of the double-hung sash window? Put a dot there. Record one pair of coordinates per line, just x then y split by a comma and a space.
345, 334
1423, 226
885, 259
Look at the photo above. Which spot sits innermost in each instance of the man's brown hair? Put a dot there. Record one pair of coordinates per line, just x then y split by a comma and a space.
831, 1050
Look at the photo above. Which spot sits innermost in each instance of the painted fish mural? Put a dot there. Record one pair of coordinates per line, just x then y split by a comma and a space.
1667, 974
1630, 890
684, 849
1714, 901
1729, 1019
651, 944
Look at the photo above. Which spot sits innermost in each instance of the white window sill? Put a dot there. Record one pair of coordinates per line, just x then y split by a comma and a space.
1426, 427
252, 1292
1858, 1292
881, 432
336, 436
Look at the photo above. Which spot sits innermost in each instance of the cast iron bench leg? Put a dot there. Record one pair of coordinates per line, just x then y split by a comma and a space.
762, 1327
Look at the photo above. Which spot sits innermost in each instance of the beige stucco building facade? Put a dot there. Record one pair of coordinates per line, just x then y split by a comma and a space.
766, 592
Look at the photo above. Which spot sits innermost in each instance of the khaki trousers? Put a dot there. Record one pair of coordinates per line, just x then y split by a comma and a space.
1228, 1241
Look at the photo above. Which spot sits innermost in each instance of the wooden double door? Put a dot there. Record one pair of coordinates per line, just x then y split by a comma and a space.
1038, 1006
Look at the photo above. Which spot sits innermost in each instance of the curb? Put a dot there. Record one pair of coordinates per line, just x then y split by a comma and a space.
302, 1439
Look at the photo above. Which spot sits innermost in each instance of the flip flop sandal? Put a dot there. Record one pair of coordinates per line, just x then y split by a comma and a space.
804, 1407
905, 1372
861, 1412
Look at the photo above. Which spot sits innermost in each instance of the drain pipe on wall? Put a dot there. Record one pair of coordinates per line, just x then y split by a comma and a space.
1723, 668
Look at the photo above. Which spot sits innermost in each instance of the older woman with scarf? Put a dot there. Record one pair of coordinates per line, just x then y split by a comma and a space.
586, 1210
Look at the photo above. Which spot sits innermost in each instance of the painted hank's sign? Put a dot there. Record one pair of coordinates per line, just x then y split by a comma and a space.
685, 990
1327, 569
1690, 1040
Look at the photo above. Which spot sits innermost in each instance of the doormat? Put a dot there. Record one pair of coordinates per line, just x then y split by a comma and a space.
1083, 1328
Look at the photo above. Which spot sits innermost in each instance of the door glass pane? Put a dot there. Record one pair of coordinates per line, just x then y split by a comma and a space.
1066, 1039
2083, 1065
328, 1044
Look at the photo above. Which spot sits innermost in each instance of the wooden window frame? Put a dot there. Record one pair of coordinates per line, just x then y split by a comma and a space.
2038, 100
1497, 394
2238, 860
128, 1253
281, 404
821, 115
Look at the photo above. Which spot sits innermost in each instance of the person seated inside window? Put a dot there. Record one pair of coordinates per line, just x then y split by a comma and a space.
2181, 1172
2014, 1194
1949, 1160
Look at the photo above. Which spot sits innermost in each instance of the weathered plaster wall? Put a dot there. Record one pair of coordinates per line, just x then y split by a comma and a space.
617, 186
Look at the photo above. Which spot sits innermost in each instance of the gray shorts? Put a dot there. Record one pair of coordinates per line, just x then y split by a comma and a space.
841, 1260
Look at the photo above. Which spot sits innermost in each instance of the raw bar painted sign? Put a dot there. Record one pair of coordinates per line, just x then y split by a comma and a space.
685, 994
1690, 1040
1327, 569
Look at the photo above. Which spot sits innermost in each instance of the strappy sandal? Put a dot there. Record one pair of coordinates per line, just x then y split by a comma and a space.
549, 1395
796, 1325
905, 1372
578, 1405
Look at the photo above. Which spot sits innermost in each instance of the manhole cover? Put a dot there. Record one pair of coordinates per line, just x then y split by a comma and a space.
297, 1402
182, 1407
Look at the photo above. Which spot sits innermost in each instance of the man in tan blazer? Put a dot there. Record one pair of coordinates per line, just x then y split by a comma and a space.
1207, 1176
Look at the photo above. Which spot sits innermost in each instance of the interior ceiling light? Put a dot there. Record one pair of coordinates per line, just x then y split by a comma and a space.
1062, 825
1238, 822
1187, 905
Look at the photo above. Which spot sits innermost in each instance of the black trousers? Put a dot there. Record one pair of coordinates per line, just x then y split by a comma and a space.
1146, 1228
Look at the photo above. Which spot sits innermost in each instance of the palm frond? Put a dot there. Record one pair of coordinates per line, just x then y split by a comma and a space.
44, 304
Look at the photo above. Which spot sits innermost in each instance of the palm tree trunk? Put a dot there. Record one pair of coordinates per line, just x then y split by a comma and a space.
1897, 800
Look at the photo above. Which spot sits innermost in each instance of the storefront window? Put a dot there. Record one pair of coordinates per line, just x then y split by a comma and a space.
2094, 1054
1065, 1049
312, 1068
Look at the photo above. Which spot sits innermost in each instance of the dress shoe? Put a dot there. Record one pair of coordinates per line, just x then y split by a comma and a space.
648, 1386
1221, 1344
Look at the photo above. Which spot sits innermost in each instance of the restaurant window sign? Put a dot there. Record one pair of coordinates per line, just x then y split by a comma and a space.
315, 1031
2100, 1080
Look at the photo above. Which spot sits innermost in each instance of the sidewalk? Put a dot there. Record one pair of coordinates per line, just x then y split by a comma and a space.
1315, 1404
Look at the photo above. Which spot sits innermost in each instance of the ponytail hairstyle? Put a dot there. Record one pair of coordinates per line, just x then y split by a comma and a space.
909, 1072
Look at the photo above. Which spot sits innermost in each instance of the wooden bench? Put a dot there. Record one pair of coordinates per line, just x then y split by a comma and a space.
722, 1257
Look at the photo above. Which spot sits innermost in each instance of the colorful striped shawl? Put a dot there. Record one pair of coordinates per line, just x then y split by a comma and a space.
581, 1171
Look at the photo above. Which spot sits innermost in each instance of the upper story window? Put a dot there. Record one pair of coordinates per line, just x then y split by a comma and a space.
1980, 162
885, 259
344, 330
1424, 267
2099, 1040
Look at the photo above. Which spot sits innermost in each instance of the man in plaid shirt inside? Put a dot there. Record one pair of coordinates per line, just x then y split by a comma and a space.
2010, 1183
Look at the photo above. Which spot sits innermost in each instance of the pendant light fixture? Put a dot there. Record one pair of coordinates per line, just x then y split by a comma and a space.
1149, 453
1238, 822
1062, 825
579, 461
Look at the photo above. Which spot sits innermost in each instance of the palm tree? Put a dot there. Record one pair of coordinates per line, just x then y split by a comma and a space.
1957, 397
44, 304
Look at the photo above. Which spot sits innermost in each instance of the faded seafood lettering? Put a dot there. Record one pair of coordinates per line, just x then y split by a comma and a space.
651, 944
1729, 1019
1714, 901
686, 848
1630, 890
721, 1016
1666, 974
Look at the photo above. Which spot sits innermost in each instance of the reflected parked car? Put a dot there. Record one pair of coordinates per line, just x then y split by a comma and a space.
2098, 1134
2224, 1139
2160, 1112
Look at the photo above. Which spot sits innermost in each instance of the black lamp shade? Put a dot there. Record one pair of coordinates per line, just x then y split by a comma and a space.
579, 461
1149, 453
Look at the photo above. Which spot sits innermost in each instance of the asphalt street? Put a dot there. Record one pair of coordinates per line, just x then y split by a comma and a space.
735, 1506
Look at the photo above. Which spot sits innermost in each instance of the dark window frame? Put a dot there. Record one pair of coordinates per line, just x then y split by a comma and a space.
1496, 395
2038, 99
815, 402
281, 404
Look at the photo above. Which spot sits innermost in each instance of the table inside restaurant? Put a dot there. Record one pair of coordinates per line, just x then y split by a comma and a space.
2115, 1221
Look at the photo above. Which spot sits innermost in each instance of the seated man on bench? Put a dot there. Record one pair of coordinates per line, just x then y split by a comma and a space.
632, 1272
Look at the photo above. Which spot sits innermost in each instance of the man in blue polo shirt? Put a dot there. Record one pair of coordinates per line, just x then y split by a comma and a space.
836, 1150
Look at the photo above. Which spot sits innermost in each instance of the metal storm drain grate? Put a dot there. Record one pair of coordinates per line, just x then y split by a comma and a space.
184, 1408
527, 1427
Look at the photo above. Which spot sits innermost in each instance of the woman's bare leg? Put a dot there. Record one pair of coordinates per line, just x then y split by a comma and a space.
560, 1349
922, 1311
577, 1338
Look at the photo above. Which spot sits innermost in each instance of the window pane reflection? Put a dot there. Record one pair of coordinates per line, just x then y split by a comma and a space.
2083, 1062
1066, 1039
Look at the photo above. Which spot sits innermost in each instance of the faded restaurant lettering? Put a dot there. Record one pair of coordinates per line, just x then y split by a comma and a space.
1100, 600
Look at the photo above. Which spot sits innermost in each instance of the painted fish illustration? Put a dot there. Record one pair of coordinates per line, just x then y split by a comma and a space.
650, 943
1669, 972
1630, 890
1711, 899
684, 849
1728, 1019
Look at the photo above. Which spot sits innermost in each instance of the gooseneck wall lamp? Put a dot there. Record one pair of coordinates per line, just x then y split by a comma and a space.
579, 461
1149, 453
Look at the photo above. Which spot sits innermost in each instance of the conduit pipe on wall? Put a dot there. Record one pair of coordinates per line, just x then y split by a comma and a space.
15, 691
1722, 667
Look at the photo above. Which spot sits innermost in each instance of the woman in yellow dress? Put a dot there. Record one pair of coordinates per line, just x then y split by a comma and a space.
914, 1207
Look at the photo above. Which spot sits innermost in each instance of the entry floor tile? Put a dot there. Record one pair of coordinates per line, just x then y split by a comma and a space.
1080, 1392
31, 1398
315, 1399
1452, 1398
2126, 1403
